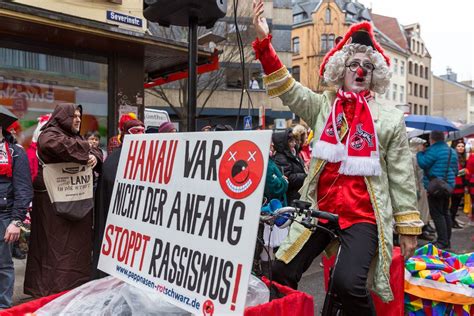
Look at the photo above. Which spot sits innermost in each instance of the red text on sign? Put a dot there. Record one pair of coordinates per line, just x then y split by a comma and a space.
123, 244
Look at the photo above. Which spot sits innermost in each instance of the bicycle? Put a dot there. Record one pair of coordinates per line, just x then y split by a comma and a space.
284, 216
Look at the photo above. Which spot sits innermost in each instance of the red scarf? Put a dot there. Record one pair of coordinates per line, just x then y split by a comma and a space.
5, 159
359, 156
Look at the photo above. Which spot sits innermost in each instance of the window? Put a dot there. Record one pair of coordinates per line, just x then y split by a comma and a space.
426, 110
296, 45
296, 73
415, 90
418, 47
410, 67
421, 91
426, 72
415, 109
35, 82
394, 92
402, 68
409, 88
421, 71
413, 45
426, 92
330, 41
395, 65
298, 18
416, 69
402, 93
422, 49
324, 43
411, 107
328, 16
387, 94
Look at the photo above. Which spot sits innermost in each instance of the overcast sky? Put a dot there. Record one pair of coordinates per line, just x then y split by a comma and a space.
447, 28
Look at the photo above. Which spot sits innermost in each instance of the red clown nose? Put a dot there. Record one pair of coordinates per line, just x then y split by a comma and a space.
361, 72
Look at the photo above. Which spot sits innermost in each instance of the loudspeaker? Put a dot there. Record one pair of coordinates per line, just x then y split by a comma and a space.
178, 12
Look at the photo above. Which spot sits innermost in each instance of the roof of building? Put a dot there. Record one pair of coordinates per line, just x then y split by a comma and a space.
305, 7
456, 83
390, 27
355, 11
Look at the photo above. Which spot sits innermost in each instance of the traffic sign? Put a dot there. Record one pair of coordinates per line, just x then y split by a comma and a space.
247, 122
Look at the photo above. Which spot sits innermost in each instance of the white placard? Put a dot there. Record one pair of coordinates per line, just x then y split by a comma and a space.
155, 117
184, 215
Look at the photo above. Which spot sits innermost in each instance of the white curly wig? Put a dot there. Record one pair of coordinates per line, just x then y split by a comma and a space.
336, 67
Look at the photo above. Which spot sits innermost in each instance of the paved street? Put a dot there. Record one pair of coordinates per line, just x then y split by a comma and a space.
312, 281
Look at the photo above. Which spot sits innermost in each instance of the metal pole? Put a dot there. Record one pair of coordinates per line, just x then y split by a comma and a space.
192, 57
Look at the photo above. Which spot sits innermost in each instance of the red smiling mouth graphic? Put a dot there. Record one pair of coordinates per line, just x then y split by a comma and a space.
241, 169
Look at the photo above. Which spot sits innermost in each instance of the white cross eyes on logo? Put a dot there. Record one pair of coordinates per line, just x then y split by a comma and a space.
232, 156
252, 155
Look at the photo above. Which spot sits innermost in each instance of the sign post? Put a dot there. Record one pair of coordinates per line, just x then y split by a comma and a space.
182, 220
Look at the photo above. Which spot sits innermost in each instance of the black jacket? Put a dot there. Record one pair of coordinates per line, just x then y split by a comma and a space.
291, 166
16, 192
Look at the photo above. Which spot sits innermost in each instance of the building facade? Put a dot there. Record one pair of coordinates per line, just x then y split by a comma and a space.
95, 53
453, 100
419, 72
390, 35
316, 24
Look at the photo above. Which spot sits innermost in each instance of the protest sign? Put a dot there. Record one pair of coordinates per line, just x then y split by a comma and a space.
184, 214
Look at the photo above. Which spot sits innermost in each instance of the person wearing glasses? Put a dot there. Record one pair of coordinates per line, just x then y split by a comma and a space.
361, 166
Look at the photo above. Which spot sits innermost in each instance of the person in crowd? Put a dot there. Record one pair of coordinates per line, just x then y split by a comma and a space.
253, 84
439, 161
302, 146
287, 159
167, 127
470, 176
114, 142
60, 251
93, 137
361, 166
206, 128
460, 182
104, 193
276, 185
17, 193
31, 151
222, 128
420, 189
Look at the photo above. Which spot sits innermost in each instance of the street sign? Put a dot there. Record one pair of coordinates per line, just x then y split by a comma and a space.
247, 122
155, 117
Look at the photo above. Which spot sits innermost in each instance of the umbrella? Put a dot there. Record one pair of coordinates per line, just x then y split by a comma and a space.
6, 117
465, 131
431, 123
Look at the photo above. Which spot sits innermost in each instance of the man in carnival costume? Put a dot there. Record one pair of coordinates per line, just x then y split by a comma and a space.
361, 167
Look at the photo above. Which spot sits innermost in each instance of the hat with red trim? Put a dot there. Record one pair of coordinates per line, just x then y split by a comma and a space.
359, 33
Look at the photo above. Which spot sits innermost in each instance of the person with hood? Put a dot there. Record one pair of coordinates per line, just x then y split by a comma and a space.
289, 162
16, 194
104, 192
59, 257
361, 166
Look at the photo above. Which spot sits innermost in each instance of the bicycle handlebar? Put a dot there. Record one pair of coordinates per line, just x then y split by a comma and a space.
289, 210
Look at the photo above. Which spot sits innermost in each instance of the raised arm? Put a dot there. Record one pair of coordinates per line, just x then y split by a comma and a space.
278, 81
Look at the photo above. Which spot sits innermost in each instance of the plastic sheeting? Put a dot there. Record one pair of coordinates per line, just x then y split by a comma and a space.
111, 296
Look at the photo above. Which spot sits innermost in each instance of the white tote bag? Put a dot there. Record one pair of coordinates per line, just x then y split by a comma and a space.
70, 189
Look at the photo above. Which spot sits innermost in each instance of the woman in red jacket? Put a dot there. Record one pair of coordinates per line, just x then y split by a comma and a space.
458, 192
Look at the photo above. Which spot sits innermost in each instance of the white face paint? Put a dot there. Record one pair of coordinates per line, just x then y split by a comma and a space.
358, 75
